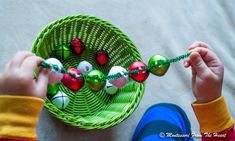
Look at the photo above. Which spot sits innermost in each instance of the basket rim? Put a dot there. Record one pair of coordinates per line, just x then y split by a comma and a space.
66, 117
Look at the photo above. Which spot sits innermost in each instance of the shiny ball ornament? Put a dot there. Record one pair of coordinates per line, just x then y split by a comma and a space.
160, 63
52, 90
142, 75
60, 100
84, 67
73, 84
55, 75
118, 82
95, 80
110, 89
102, 57
62, 52
77, 46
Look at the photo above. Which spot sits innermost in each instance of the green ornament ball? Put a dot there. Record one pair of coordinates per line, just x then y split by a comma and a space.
95, 80
160, 65
52, 90
62, 52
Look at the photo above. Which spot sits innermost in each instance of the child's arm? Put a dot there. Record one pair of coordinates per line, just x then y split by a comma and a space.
210, 108
21, 97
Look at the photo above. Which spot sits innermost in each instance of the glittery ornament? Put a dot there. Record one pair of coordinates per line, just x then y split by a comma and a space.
73, 84
62, 52
95, 80
110, 89
102, 57
141, 75
52, 90
60, 100
55, 75
77, 46
122, 80
84, 67
160, 65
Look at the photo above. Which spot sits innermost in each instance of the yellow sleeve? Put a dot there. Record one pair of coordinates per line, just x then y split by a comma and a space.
19, 116
213, 116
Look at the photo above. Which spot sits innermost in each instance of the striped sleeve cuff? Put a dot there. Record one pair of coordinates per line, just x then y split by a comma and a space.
8, 139
19, 116
213, 116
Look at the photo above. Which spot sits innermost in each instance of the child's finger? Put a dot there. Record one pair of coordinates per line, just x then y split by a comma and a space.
206, 54
42, 82
199, 44
198, 64
19, 58
30, 64
187, 63
193, 71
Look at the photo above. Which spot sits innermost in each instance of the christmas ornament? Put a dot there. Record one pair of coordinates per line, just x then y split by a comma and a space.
55, 75
159, 65
102, 57
95, 80
62, 52
118, 76
84, 67
73, 84
122, 79
60, 100
77, 46
110, 89
52, 90
141, 75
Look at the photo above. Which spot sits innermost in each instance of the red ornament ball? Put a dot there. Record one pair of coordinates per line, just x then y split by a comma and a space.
142, 75
77, 46
73, 84
102, 57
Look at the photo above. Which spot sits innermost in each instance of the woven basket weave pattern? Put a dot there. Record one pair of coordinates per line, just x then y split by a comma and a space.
88, 109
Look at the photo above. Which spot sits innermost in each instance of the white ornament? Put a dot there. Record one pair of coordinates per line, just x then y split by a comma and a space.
110, 89
60, 100
84, 67
118, 82
55, 76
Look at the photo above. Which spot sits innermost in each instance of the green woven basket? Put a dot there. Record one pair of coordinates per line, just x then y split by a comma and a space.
88, 109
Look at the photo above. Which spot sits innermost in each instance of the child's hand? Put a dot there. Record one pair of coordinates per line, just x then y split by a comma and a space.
207, 72
18, 76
